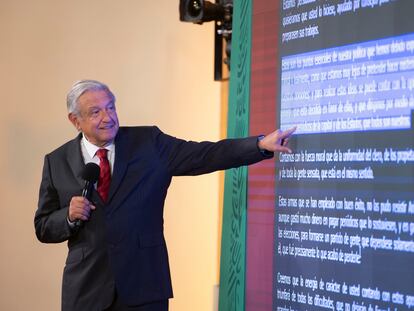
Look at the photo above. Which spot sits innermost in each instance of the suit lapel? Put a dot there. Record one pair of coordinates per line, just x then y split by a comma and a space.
77, 164
120, 165
122, 159
75, 159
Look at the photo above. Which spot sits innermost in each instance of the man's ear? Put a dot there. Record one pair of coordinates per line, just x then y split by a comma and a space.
73, 118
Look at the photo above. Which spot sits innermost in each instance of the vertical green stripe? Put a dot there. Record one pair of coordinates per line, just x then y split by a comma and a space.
233, 246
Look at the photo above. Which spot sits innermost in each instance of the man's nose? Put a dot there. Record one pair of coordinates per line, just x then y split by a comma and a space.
106, 114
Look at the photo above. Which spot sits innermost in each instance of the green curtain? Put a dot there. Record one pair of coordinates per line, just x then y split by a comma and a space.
233, 246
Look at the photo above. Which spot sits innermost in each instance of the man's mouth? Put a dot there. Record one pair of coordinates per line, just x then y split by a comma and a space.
107, 127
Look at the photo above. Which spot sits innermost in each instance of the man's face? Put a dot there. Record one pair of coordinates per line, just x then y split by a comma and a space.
96, 117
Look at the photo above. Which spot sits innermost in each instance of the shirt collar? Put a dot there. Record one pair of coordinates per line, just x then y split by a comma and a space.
91, 148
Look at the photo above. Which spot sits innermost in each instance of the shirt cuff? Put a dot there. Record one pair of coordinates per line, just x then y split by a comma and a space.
71, 224
266, 153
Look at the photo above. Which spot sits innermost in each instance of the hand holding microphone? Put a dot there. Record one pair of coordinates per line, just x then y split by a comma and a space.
80, 206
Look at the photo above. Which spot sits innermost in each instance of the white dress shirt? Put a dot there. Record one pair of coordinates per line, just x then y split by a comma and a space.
89, 152
89, 155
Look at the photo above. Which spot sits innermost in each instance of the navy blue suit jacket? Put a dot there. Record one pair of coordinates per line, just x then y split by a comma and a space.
122, 246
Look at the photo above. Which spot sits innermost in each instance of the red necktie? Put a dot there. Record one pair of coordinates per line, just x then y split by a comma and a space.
104, 175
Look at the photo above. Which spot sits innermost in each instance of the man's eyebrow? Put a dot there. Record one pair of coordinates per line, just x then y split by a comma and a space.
93, 107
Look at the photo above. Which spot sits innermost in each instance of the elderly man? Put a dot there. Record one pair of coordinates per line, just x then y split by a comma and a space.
117, 257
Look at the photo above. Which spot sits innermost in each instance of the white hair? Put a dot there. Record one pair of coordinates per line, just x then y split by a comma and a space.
79, 88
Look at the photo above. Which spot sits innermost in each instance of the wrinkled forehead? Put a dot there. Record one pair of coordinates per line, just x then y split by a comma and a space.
95, 98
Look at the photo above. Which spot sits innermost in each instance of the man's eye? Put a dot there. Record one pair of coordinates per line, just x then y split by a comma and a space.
95, 112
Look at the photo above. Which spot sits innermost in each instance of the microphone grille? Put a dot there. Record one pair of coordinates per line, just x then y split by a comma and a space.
91, 172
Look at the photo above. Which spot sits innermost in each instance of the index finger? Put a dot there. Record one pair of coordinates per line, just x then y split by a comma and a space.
287, 133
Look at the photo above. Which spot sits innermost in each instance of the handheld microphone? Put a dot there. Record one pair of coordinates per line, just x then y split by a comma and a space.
90, 175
